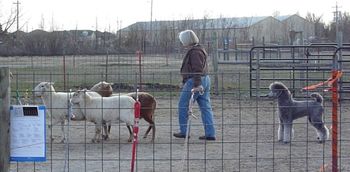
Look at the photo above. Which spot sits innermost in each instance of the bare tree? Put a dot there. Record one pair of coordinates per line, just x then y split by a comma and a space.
204, 27
344, 25
135, 37
276, 14
7, 22
42, 22
319, 24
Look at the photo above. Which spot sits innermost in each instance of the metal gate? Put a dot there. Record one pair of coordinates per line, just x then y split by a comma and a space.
300, 66
297, 66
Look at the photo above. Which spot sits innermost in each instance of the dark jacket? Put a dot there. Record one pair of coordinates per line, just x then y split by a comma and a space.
194, 65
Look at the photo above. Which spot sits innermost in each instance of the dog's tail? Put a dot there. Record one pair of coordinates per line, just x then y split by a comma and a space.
317, 97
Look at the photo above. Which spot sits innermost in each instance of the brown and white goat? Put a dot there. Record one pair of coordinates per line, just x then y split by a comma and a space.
148, 106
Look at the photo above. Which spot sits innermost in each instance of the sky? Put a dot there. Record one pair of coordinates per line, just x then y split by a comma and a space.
111, 15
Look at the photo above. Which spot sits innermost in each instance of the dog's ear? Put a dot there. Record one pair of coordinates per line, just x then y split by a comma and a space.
279, 86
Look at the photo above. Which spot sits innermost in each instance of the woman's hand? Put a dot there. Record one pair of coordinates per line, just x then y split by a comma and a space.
199, 89
181, 85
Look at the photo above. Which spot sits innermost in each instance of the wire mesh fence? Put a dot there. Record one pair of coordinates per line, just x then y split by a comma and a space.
246, 126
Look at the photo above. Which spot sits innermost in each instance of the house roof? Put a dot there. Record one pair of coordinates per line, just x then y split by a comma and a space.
236, 22
282, 18
217, 23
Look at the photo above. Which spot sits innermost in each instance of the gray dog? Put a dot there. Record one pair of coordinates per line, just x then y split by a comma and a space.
290, 109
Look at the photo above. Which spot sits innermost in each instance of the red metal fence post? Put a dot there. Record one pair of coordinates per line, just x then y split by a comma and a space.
334, 122
137, 110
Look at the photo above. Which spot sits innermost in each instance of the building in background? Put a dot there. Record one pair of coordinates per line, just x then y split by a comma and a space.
290, 29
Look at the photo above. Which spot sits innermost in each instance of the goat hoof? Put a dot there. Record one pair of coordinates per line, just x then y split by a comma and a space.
105, 137
95, 141
321, 141
63, 140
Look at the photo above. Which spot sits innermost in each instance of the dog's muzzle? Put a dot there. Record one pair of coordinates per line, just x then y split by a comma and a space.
274, 94
271, 95
264, 95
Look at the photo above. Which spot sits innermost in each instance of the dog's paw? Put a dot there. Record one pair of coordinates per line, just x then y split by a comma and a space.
320, 140
286, 142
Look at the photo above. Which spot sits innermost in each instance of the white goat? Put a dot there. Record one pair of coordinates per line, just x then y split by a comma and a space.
101, 110
56, 104
105, 90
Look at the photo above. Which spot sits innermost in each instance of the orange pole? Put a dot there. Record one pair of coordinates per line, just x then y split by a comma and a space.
334, 123
137, 110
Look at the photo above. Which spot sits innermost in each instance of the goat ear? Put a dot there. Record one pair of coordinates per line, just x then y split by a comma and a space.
51, 83
104, 83
46, 83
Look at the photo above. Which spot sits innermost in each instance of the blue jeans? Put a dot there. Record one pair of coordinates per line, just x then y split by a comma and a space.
204, 104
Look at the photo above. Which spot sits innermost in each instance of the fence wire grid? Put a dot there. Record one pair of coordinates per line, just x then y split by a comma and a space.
246, 126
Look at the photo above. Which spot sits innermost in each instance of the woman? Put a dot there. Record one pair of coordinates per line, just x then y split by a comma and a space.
194, 71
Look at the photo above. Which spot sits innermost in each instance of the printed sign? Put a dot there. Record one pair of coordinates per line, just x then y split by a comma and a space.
28, 133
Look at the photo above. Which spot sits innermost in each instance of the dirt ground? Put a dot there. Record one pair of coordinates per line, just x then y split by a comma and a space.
246, 141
